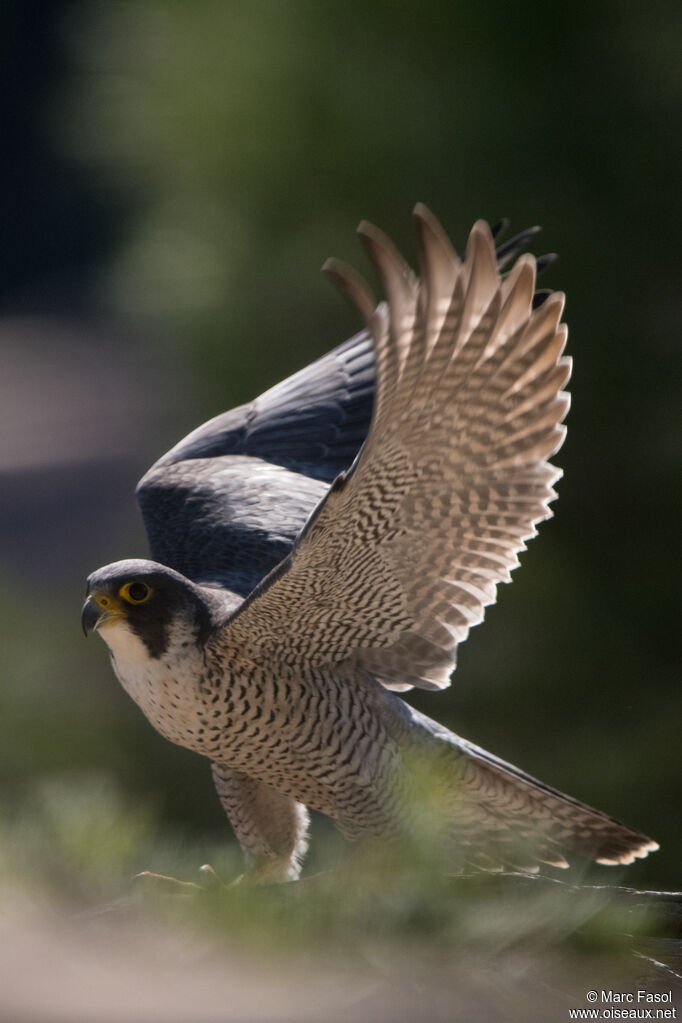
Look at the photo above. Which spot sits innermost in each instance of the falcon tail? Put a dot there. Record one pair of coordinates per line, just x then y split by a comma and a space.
504, 818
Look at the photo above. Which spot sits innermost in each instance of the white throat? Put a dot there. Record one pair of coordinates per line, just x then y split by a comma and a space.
165, 688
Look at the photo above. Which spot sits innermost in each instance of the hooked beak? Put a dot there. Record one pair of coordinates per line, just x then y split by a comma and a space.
90, 616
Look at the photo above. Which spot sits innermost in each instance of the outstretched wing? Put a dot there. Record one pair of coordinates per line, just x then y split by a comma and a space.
226, 504
407, 549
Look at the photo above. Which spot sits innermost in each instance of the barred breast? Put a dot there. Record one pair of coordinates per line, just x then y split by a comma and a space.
318, 736
310, 735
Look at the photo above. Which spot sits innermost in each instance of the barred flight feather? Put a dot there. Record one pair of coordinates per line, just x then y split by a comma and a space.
406, 551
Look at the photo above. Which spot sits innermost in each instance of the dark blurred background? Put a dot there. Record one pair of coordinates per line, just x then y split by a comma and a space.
174, 174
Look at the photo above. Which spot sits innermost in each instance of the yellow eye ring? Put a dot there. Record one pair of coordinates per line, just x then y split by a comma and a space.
136, 592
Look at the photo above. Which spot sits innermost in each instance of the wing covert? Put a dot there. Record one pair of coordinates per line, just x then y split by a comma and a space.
407, 548
314, 422
226, 504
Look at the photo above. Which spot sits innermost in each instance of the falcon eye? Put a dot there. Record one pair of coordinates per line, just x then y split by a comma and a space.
135, 593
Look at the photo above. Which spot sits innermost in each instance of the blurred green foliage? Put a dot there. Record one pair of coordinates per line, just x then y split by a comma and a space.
184, 168
77, 838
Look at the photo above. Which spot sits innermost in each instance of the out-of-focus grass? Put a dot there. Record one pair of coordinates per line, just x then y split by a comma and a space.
76, 839
376, 934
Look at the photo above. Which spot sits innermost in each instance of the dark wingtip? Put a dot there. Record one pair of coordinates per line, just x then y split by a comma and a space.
541, 296
510, 249
499, 227
546, 260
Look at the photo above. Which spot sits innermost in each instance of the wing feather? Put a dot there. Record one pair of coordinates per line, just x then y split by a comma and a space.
407, 549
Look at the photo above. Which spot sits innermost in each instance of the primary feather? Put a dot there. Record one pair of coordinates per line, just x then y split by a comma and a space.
407, 549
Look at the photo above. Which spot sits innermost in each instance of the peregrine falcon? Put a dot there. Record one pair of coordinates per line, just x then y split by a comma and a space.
330, 545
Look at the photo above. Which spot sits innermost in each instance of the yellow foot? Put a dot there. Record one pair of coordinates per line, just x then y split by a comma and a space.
174, 886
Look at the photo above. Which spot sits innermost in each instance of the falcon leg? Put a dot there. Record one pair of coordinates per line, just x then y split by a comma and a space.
271, 827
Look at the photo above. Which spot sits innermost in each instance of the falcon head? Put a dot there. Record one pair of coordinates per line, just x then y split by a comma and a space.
148, 600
